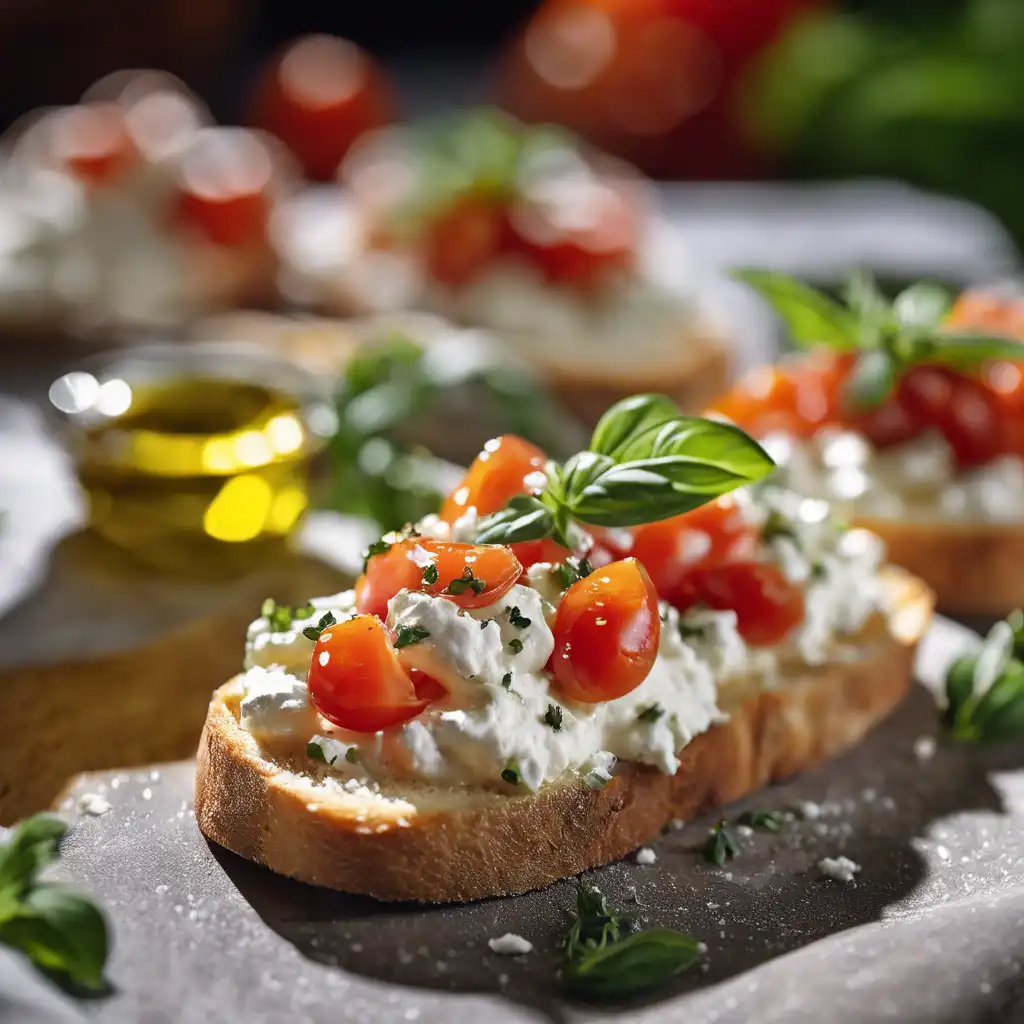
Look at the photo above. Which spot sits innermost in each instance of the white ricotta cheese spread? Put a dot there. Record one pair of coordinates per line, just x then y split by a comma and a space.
501, 712
917, 479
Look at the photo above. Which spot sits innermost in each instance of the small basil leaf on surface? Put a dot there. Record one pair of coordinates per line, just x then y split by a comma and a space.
524, 518
770, 821
959, 686
626, 967
873, 379
810, 316
594, 923
29, 847
628, 419
999, 712
720, 846
923, 304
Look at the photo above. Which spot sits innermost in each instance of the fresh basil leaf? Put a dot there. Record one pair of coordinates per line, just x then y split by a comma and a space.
871, 382
863, 296
524, 518
769, 821
999, 712
638, 963
810, 316
594, 923
959, 686
965, 350
923, 304
720, 845
30, 846
643, 492
629, 418
61, 931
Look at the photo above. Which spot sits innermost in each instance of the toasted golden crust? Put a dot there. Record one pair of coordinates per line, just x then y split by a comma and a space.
418, 843
974, 568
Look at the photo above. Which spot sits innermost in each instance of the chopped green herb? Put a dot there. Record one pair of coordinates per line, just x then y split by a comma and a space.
511, 776
516, 645
315, 752
553, 717
777, 525
585, 568
378, 547
313, 632
606, 958
406, 635
305, 611
430, 574
517, 619
484, 623
279, 616
721, 846
467, 581
352, 755
571, 571
506, 680
651, 714
770, 821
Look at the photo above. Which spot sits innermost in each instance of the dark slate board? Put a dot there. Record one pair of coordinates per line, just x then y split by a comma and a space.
933, 928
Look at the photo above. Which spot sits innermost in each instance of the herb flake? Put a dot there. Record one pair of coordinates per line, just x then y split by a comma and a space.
378, 547
515, 645
720, 846
313, 632
767, 821
510, 775
651, 714
405, 636
430, 574
467, 581
553, 717
517, 619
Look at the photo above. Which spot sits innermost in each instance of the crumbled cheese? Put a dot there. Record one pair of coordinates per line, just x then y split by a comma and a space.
645, 856
841, 868
745, 831
510, 944
276, 704
924, 748
93, 804
809, 810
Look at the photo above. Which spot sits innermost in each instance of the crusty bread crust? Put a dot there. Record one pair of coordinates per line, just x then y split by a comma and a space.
974, 568
417, 843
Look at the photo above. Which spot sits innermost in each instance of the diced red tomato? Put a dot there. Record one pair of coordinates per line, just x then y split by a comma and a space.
498, 473
767, 605
530, 552
225, 181
578, 242
607, 630
983, 309
318, 97
92, 140
355, 679
464, 239
469, 575
709, 535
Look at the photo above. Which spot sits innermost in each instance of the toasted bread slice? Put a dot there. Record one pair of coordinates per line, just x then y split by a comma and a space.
417, 842
974, 568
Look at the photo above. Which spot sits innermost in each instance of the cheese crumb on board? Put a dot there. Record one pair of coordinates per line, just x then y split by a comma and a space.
93, 804
924, 748
510, 944
842, 869
645, 855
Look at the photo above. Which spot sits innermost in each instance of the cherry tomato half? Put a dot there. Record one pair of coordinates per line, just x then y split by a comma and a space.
355, 679
607, 630
318, 97
498, 473
766, 604
709, 535
93, 141
469, 575
464, 239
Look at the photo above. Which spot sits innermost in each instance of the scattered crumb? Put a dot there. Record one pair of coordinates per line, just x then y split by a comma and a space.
510, 944
842, 869
942, 852
821, 828
676, 824
404, 957
810, 810
633, 894
744, 830
645, 855
702, 947
924, 748
888, 803
502, 979
728, 877
94, 804
868, 795
147, 794
356, 947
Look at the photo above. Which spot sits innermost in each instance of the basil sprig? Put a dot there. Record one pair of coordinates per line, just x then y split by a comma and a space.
645, 462
889, 337
606, 958
985, 691
61, 931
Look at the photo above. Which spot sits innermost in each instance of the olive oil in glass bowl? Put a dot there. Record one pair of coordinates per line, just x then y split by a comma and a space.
194, 456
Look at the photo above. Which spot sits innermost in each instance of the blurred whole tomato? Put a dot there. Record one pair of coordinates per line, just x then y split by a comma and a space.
654, 81
318, 96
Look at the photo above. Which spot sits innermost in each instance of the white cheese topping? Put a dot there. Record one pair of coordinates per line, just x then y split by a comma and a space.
510, 944
842, 869
646, 856
917, 479
502, 717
